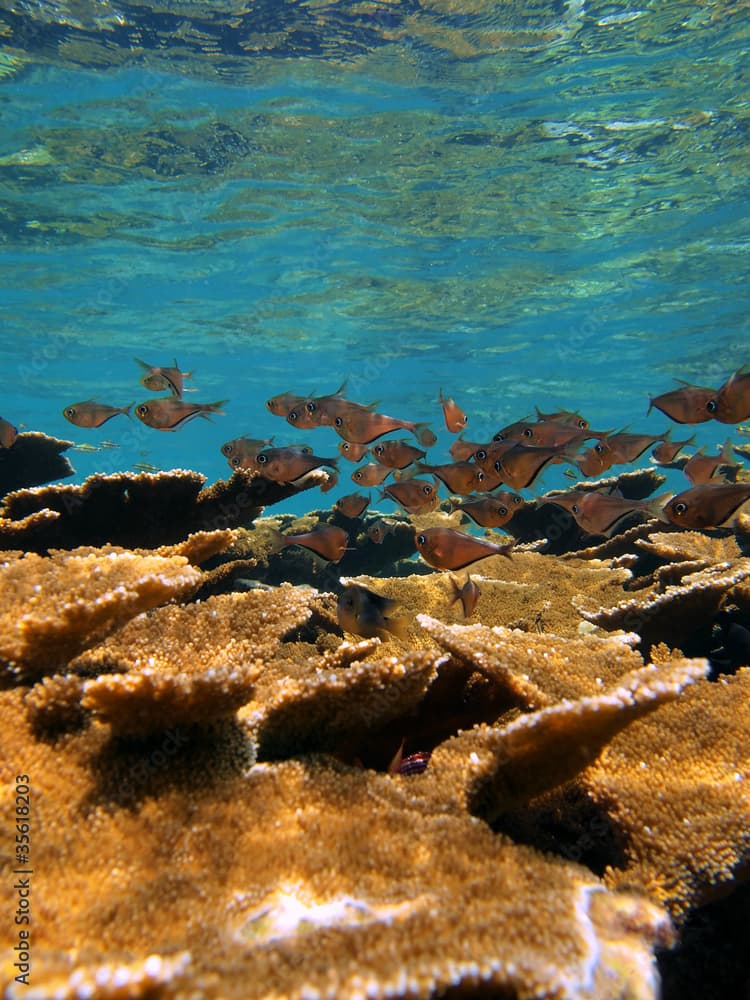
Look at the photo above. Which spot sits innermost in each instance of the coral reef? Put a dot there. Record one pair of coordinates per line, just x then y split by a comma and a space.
34, 459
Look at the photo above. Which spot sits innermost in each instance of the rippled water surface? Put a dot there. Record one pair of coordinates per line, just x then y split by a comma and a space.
539, 203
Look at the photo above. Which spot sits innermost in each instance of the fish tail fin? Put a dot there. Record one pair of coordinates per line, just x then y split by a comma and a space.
455, 590
507, 549
126, 410
726, 452
214, 408
277, 541
655, 506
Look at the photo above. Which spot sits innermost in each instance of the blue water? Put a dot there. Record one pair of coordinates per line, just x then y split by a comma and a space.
539, 204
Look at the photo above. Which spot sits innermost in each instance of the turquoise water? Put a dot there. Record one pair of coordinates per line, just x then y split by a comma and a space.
524, 204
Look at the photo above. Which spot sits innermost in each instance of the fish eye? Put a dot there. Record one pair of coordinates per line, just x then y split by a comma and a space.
421, 540
527, 432
479, 476
227, 449
338, 421
574, 508
311, 407
498, 465
357, 476
679, 508
70, 411
499, 436
582, 424
378, 449
711, 406
517, 499
261, 459
142, 410
480, 455
293, 416
235, 462
502, 511
599, 448
427, 489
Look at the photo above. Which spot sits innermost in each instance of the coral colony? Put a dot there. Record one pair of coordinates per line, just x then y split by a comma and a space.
485, 743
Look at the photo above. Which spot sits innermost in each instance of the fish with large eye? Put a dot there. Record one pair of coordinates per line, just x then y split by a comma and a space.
396, 454
288, 465
446, 548
169, 414
709, 505
326, 540
492, 511
353, 505
364, 612
454, 416
459, 477
157, 378
416, 496
89, 413
361, 425
240, 452
599, 513
283, 403
690, 404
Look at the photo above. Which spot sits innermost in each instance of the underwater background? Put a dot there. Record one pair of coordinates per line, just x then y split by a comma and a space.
522, 204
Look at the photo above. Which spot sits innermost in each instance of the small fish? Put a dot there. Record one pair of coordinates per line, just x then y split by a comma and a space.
146, 467
89, 413
244, 446
86, 448
520, 466
445, 548
461, 451
8, 434
666, 452
108, 444
701, 468
468, 594
287, 465
360, 425
316, 411
379, 529
708, 505
459, 477
366, 613
327, 541
413, 763
564, 417
281, 404
158, 378
691, 404
371, 474
169, 414
354, 452
455, 418
396, 454
599, 513
414, 495
733, 398
492, 511
352, 505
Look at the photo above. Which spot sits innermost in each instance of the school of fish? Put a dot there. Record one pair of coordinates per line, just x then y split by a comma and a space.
483, 479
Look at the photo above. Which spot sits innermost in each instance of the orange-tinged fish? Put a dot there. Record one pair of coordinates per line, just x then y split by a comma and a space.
455, 418
550, 434
599, 513
157, 378
414, 495
512, 432
8, 434
733, 398
690, 404
315, 411
396, 454
286, 465
520, 466
625, 448
89, 413
468, 594
492, 511
459, 477
244, 447
281, 404
445, 548
702, 468
371, 474
327, 541
360, 425
708, 505
169, 413
666, 452
354, 452
353, 504
595, 460
487, 454
364, 612
564, 417
461, 451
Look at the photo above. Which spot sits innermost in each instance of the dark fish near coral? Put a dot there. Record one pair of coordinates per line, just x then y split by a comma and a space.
599, 513
625, 448
352, 505
366, 613
354, 452
492, 511
459, 477
708, 505
733, 398
455, 418
327, 541
701, 468
371, 474
169, 414
158, 378
396, 454
89, 413
667, 452
244, 447
564, 417
414, 495
468, 594
413, 763
520, 466
360, 425
691, 404
445, 548
8, 434
286, 465
379, 529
